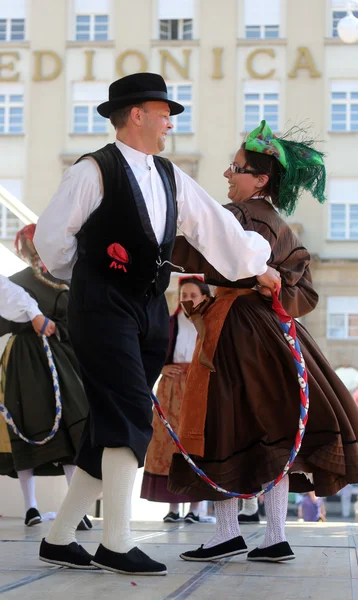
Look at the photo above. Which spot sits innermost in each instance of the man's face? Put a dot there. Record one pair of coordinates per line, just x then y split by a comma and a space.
155, 125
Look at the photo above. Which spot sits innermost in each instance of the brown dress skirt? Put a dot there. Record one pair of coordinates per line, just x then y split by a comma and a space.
253, 412
160, 451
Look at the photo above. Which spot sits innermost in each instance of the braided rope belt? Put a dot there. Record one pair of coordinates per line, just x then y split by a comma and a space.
288, 327
58, 410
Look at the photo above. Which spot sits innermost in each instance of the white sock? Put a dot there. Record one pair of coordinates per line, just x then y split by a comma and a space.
174, 507
119, 469
69, 471
82, 494
27, 483
227, 525
194, 508
276, 502
249, 507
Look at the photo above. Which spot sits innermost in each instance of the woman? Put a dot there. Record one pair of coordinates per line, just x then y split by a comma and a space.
37, 306
242, 428
170, 392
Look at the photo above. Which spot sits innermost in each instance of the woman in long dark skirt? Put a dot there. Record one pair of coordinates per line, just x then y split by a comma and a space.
27, 385
242, 427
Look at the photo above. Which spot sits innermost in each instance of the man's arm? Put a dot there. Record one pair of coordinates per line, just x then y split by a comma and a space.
77, 197
216, 234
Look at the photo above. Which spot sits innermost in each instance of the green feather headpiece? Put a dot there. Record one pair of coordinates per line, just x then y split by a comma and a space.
303, 166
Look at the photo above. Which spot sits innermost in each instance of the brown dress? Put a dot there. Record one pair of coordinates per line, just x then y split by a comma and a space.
161, 448
246, 414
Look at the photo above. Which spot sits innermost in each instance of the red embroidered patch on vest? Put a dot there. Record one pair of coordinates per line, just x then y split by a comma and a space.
119, 255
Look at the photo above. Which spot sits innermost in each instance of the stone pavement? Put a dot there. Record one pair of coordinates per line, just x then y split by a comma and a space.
325, 568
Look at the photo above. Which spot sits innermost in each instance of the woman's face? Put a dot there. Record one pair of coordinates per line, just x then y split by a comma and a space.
243, 185
191, 291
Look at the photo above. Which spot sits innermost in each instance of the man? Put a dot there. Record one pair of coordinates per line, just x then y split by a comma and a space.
113, 221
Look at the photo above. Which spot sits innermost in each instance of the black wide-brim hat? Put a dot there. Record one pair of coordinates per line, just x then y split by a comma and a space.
139, 87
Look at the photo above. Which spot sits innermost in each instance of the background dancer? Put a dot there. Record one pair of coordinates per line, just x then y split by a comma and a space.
170, 391
26, 379
246, 412
118, 254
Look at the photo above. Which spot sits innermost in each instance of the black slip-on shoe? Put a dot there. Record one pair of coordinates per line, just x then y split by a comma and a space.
276, 553
134, 562
32, 517
171, 517
84, 524
191, 518
230, 548
72, 555
249, 518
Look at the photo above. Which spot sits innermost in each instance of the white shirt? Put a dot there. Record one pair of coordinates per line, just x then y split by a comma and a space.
186, 340
211, 229
16, 304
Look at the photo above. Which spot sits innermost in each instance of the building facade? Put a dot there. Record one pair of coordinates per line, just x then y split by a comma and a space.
231, 63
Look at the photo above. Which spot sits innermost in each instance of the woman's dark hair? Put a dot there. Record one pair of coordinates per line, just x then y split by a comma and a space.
203, 287
267, 165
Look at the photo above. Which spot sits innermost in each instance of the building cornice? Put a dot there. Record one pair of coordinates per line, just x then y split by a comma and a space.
261, 42
92, 44
175, 43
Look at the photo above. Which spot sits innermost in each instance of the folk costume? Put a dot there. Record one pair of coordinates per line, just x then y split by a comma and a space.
182, 340
27, 387
116, 214
242, 427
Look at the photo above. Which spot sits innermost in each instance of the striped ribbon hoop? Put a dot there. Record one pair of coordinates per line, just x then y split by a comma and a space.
288, 327
58, 412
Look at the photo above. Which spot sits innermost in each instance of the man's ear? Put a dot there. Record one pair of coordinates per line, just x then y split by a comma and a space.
136, 115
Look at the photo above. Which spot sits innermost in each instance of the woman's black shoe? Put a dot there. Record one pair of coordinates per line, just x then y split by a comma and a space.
84, 524
32, 517
276, 553
249, 518
171, 517
134, 562
230, 548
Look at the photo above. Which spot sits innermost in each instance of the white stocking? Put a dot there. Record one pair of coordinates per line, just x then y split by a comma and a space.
227, 525
69, 471
119, 468
82, 494
249, 507
27, 483
276, 502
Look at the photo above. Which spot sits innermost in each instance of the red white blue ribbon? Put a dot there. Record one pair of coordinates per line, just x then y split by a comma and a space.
288, 327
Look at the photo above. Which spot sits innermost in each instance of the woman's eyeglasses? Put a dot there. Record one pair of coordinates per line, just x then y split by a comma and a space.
234, 168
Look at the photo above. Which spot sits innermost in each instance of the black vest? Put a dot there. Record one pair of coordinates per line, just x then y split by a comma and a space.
117, 242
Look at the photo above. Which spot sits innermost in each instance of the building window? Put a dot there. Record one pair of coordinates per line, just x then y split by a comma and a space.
9, 224
85, 99
11, 109
344, 106
343, 209
12, 21
176, 29
91, 28
262, 19
342, 317
261, 101
175, 18
91, 20
183, 94
12, 30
